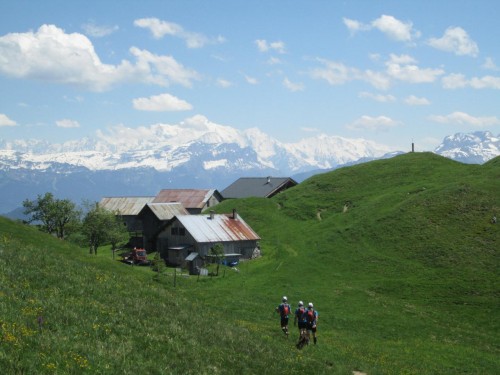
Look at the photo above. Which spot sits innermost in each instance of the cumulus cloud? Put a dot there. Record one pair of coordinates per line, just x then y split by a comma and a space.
5, 121
52, 55
292, 86
161, 103
67, 123
389, 25
161, 28
377, 97
379, 123
456, 40
403, 68
265, 46
459, 81
98, 31
398, 68
251, 80
414, 101
462, 118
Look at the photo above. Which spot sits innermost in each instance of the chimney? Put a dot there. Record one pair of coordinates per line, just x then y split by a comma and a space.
212, 213
234, 213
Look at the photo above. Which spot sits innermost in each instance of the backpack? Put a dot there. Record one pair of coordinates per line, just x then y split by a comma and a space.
300, 312
285, 309
310, 316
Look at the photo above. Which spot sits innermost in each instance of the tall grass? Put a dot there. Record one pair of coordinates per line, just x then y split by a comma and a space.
405, 280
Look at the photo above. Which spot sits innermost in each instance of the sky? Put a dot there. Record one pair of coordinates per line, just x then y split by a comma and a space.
393, 72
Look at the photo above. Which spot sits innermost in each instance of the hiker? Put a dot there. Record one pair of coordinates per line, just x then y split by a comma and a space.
312, 321
300, 319
284, 310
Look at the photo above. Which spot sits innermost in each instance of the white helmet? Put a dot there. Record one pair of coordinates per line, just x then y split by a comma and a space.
285, 299
310, 305
301, 303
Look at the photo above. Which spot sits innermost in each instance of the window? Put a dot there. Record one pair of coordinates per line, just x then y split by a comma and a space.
174, 231
182, 231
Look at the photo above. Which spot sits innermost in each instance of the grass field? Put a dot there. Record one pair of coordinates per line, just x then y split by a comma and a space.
399, 257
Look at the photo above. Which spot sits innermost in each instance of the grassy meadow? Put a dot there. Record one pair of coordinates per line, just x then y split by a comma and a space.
398, 256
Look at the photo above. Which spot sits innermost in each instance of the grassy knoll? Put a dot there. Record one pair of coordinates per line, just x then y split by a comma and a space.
399, 257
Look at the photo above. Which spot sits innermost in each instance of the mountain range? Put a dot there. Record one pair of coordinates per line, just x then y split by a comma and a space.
194, 154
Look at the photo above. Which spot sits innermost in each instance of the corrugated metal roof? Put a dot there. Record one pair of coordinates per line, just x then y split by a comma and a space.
190, 198
127, 206
220, 228
166, 211
256, 187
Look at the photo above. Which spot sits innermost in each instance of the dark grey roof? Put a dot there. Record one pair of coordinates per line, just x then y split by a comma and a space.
264, 187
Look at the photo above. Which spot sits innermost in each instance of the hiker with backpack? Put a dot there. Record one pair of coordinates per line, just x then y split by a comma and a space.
311, 316
284, 310
300, 320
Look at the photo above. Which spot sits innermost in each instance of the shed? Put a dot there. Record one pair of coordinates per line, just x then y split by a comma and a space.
264, 187
128, 209
193, 200
155, 217
199, 233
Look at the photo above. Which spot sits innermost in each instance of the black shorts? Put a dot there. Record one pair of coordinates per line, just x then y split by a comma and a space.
311, 328
302, 325
284, 321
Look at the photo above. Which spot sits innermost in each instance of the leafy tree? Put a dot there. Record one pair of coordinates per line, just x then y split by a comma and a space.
218, 252
101, 226
56, 216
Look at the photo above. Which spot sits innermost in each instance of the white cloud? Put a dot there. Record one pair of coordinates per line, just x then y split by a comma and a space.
161, 28
490, 64
377, 97
389, 25
5, 121
273, 61
379, 123
264, 46
354, 26
251, 80
334, 73
221, 82
456, 40
414, 101
395, 29
51, 55
377, 79
98, 31
458, 81
292, 86
403, 68
161, 103
67, 123
462, 118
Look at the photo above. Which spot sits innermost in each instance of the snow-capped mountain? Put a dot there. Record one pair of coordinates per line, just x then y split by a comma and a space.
167, 147
193, 154
472, 148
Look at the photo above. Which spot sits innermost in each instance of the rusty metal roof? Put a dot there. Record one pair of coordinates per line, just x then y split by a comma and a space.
264, 187
217, 228
190, 198
126, 206
166, 211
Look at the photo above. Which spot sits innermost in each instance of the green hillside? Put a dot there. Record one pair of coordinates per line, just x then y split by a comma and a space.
399, 257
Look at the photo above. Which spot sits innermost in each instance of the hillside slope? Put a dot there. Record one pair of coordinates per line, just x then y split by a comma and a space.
399, 257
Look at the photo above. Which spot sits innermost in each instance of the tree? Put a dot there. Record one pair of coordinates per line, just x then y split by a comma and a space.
54, 215
218, 252
101, 226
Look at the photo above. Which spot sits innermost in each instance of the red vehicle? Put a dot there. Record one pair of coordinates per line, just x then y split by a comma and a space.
136, 256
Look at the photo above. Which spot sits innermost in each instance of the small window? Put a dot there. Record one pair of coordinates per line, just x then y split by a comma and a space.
174, 231
182, 231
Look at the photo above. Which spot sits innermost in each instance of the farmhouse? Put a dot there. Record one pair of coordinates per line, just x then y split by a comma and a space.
190, 238
128, 208
264, 187
155, 217
193, 200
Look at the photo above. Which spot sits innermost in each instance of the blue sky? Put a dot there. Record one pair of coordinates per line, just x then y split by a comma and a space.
388, 71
